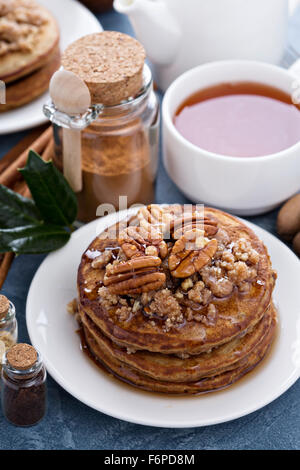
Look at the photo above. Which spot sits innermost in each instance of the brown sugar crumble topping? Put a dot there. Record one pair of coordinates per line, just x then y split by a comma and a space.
173, 267
166, 306
20, 21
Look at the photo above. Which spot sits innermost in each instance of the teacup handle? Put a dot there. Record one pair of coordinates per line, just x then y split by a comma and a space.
295, 68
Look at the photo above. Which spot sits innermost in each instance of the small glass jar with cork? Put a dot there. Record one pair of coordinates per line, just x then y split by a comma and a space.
24, 392
106, 122
8, 325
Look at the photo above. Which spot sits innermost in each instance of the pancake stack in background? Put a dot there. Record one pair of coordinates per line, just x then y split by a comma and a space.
177, 300
29, 50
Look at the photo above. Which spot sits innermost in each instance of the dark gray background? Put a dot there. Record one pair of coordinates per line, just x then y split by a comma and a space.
71, 425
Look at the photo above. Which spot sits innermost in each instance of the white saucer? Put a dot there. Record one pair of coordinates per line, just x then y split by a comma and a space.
74, 20
52, 331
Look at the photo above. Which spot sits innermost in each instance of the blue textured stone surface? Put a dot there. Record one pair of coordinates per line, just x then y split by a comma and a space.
71, 425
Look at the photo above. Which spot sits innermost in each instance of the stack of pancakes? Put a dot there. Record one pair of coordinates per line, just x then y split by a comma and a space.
199, 353
29, 51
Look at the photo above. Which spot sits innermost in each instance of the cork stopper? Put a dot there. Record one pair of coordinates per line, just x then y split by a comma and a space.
21, 356
110, 63
4, 306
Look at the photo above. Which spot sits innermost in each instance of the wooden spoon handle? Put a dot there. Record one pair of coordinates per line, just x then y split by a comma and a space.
72, 158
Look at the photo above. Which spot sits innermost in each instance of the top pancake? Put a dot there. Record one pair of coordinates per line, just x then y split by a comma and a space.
29, 38
234, 313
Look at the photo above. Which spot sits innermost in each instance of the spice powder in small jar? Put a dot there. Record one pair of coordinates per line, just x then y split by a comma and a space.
24, 392
119, 148
8, 326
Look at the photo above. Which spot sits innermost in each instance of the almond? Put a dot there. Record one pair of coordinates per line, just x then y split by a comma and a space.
288, 220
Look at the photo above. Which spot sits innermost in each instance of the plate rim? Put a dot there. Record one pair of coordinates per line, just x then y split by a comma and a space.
159, 423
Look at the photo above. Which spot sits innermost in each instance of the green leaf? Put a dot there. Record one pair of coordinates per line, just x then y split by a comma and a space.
33, 239
16, 210
51, 192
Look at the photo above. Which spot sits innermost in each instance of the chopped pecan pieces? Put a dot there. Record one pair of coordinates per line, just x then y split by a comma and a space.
107, 298
241, 272
72, 307
123, 313
187, 284
184, 262
243, 251
216, 281
146, 297
134, 276
199, 293
166, 306
209, 319
102, 260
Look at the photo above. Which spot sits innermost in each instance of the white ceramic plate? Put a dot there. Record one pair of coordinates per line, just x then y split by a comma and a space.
74, 21
52, 331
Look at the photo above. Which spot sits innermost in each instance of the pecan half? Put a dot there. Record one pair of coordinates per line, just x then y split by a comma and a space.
184, 262
156, 216
136, 241
134, 276
191, 221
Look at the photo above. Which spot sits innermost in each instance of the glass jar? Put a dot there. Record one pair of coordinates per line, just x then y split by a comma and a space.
8, 326
119, 150
24, 392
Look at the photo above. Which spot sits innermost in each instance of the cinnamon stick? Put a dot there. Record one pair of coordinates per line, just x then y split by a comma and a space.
25, 191
17, 186
10, 174
49, 151
44, 145
4, 266
21, 186
16, 151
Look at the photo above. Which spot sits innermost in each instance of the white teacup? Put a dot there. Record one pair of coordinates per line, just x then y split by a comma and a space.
244, 186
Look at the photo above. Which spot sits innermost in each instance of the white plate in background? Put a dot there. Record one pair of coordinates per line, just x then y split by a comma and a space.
74, 20
52, 331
